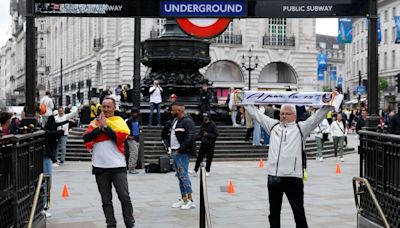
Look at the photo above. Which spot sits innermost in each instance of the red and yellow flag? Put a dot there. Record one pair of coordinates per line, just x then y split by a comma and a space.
117, 124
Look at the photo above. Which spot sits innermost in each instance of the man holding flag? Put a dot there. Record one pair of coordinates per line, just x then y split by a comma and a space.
106, 136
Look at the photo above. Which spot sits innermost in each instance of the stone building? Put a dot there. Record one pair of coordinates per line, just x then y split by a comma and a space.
388, 53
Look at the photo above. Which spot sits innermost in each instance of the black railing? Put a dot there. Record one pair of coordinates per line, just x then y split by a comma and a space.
380, 165
227, 39
274, 40
21, 163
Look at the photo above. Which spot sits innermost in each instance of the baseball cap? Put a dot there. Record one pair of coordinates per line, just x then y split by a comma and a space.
173, 96
205, 115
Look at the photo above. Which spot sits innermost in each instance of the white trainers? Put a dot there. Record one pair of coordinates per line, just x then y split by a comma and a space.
207, 174
178, 204
55, 165
321, 159
47, 214
192, 173
189, 204
341, 159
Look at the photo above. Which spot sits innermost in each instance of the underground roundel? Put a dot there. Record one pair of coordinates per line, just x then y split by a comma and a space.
203, 27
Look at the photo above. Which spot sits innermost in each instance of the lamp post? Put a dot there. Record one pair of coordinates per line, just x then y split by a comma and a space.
249, 66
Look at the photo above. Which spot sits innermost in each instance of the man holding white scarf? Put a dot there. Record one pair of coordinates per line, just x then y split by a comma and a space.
285, 158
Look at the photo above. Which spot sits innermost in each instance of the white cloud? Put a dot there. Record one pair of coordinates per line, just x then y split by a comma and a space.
5, 21
327, 26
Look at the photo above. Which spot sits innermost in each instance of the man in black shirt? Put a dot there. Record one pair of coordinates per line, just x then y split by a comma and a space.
205, 97
394, 123
361, 122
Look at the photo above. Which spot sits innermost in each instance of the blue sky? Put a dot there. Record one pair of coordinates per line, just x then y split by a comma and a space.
324, 26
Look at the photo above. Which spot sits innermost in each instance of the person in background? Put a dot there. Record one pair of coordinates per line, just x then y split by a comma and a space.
394, 123
124, 94
117, 97
5, 122
232, 107
172, 102
107, 92
62, 141
249, 127
361, 122
155, 102
321, 135
132, 142
94, 110
205, 97
46, 107
338, 131
129, 93
52, 135
207, 135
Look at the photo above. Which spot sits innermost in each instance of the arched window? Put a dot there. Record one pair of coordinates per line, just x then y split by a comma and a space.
224, 71
278, 72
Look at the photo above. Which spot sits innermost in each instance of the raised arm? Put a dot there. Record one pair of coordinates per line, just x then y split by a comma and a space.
266, 122
312, 122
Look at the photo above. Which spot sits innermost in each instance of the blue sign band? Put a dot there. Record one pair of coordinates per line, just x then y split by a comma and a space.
190, 8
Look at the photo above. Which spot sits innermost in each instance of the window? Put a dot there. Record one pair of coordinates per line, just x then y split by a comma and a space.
394, 11
362, 25
385, 36
393, 58
385, 60
393, 34
41, 61
277, 30
385, 15
160, 29
227, 36
362, 65
366, 43
361, 45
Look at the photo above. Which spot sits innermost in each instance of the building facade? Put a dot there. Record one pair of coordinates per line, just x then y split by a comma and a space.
98, 52
78, 55
388, 54
334, 75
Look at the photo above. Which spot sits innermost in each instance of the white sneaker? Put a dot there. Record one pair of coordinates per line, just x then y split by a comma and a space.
178, 204
192, 173
317, 158
189, 204
321, 159
47, 214
341, 159
207, 174
55, 165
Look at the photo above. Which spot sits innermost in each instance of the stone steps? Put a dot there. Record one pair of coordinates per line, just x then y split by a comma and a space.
230, 146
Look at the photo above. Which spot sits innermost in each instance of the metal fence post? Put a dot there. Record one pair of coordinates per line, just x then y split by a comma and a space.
202, 207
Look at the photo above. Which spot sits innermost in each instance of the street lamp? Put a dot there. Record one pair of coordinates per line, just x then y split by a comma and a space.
249, 67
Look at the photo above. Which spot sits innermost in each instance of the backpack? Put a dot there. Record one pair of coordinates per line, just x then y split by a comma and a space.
43, 108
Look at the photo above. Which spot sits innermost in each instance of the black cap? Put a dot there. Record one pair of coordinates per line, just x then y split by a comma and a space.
134, 110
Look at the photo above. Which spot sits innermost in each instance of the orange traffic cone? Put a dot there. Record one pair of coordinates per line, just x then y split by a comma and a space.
65, 192
338, 171
231, 189
261, 164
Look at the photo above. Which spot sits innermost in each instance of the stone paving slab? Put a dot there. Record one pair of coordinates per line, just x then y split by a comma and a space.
329, 201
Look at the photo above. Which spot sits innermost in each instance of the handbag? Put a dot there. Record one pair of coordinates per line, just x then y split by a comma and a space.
274, 180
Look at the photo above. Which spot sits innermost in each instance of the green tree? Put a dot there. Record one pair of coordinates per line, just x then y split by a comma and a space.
326, 88
383, 84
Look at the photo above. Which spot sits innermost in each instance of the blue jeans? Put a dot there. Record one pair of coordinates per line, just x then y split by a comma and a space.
256, 133
152, 106
47, 170
265, 136
62, 147
181, 162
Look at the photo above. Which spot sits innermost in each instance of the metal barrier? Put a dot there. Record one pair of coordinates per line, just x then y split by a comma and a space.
204, 207
36, 197
21, 162
364, 183
380, 165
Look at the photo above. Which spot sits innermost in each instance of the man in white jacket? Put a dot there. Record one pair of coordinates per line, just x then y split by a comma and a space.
286, 160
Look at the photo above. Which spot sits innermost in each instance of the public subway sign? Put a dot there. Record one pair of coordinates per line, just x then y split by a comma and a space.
203, 8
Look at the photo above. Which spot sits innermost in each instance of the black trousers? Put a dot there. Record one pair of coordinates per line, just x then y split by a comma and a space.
294, 189
206, 149
204, 107
249, 133
105, 180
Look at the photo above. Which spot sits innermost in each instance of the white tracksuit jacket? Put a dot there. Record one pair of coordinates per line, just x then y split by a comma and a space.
284, 155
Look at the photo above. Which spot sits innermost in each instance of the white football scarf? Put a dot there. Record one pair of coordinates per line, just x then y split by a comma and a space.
315, 99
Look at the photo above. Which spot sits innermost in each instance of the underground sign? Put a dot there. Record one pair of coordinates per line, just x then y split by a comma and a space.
203, 27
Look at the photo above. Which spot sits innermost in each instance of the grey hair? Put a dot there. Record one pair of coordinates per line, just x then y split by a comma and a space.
289, 106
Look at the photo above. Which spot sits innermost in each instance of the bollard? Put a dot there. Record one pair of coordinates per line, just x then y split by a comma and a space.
202, 207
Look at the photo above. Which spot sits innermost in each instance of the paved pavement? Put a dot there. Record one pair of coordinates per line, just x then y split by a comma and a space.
329, 201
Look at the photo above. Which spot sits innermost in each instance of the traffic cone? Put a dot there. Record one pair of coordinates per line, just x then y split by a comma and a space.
231, 189
65, 192
338, 171
261, 164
